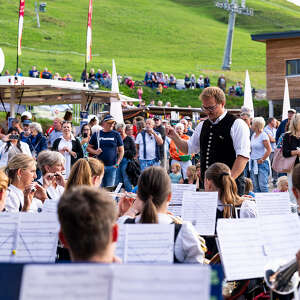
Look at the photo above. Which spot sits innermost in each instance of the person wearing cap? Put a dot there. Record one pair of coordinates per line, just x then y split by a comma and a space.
26, 115
25, 134
107, 146
160, 128
147, 146
220, 138
284, 125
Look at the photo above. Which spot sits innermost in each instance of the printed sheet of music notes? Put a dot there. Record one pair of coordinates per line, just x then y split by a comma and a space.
28, 237
200, 209
248, 245
272, 204
175, 206
146, 243
115, 282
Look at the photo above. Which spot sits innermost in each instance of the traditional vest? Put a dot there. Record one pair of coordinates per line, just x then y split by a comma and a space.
216, 144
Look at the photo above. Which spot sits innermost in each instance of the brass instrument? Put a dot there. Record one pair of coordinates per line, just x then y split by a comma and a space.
283, 279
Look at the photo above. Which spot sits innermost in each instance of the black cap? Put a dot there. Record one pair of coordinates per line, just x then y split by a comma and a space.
157, 117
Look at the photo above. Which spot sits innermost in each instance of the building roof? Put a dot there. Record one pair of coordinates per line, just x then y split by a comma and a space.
263, 37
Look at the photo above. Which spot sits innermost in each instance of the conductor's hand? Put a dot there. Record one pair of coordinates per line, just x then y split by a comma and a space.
170, 132
98, 151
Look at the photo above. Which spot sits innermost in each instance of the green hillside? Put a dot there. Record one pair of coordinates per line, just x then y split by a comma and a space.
179, 36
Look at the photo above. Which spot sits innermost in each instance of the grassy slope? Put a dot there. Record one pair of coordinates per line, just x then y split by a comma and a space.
174, 36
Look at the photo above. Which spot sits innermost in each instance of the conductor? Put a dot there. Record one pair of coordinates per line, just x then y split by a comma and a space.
220, 138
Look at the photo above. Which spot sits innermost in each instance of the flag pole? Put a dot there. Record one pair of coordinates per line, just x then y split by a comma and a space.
20, 29
88, 39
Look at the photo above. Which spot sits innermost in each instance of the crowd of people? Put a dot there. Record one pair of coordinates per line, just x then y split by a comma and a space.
155, 80
224, 153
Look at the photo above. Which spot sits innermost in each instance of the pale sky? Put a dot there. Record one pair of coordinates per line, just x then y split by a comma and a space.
297, 2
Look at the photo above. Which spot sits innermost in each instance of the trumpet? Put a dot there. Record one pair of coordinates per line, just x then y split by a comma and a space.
283, 279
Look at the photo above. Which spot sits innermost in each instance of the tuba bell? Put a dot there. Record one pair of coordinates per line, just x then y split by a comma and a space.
283, 279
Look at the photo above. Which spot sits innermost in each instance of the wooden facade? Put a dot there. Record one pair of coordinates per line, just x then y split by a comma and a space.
281, 47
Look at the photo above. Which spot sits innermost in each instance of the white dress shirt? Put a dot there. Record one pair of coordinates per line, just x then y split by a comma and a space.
187, 246
54, 193
239, 133
15, 200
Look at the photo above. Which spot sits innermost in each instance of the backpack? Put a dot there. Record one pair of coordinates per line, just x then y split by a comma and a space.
133, 171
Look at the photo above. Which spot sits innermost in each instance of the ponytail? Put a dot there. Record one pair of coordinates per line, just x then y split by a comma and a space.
219, 173
154, 187
80, 174
149, 214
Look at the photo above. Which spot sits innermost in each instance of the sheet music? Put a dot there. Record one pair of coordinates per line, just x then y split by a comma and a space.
241, 248
37, 237
115, 282
148, 282
66, 281
149, 243
177, 196
281, 236
50, 206
272, 204
8, 229
200, 209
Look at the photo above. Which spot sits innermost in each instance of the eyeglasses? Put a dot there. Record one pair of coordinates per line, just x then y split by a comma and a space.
209, 108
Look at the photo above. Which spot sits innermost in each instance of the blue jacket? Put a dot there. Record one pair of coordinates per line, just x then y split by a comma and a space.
37, 143
281, 129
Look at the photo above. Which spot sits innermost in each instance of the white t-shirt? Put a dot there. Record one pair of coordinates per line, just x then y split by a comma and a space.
257, 146
150, 148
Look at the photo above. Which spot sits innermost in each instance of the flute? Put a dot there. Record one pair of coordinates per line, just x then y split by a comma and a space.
127, 195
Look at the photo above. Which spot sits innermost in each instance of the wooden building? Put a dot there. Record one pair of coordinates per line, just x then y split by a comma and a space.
282, 61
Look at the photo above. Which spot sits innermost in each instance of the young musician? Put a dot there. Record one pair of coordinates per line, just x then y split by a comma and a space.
151, 206
87, 217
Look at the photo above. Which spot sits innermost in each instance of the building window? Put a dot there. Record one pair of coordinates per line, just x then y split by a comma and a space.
293, 67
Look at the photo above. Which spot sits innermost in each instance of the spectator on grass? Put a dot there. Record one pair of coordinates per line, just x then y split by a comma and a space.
34, 73
200, 82
193, 81
68, 77
19, 73
84, 76
160, 103
159, 90
172, 81
222, 83
46, 74
166, 80
92, 76
206, 82
154, 80
148, 79
239, 89
99, 75
187, 81
57, 76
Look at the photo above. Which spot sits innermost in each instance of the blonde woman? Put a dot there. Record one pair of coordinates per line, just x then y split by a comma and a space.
291, 147
86, 171
23, 194
259, 164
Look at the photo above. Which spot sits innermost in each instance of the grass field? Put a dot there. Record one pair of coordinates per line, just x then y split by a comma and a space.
173, 36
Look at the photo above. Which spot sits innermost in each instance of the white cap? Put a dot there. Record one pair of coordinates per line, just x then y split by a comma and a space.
27, 114
90, 117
